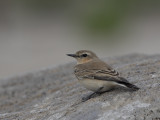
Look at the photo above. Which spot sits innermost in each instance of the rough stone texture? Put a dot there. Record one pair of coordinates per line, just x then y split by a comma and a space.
55, 94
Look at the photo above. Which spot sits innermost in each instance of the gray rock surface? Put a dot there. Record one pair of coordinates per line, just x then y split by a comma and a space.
55, 94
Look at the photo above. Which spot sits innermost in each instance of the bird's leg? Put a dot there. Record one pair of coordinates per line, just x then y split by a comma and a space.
91, 95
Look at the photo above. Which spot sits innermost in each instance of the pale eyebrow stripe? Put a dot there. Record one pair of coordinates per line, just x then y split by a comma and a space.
87, 53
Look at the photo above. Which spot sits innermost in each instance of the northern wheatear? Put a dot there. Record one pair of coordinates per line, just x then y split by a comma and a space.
96, 75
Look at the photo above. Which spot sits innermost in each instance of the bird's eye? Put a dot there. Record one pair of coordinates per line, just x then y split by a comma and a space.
84, 55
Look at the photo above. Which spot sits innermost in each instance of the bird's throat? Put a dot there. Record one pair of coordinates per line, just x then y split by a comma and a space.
82, 61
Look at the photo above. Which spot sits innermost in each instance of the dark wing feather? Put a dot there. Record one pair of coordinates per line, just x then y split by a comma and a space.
90, 72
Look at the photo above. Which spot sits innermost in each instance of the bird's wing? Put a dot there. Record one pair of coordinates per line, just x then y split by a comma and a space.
106, 75
109, 72
95, 69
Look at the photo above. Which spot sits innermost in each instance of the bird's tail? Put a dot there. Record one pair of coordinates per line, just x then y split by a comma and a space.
131, 86
128, 85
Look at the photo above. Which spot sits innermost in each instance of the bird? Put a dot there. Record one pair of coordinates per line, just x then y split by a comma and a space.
96, 75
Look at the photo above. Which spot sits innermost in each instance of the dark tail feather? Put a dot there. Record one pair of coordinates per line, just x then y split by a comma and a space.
129, 85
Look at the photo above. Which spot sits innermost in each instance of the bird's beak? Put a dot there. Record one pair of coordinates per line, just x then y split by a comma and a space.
72, 55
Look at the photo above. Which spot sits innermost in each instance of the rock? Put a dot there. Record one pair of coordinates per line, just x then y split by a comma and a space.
55, 94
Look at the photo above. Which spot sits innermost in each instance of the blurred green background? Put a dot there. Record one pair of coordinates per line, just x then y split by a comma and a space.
36, 34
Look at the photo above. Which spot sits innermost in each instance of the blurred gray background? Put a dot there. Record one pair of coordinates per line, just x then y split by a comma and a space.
36, 34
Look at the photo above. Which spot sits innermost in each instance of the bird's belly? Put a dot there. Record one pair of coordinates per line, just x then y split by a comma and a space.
94, 85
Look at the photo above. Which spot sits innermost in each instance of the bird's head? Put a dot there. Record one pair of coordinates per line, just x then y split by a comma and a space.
83, 56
